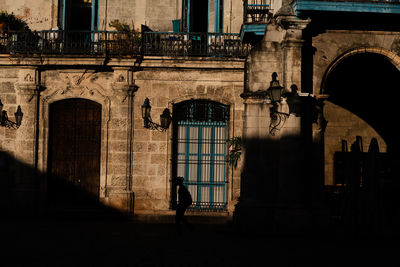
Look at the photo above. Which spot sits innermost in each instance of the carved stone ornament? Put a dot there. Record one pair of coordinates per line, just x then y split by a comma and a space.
28, 78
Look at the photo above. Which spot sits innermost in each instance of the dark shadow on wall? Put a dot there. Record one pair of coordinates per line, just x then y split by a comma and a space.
24, 193
282, 191
364, 199
19, 188
278, 188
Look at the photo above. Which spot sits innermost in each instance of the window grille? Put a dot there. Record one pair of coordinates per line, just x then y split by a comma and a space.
200, 132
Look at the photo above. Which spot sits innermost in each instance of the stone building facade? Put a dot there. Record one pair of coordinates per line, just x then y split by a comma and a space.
326, 141
132, 168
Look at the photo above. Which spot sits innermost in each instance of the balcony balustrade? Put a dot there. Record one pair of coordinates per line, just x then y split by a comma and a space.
256, 11
121, 44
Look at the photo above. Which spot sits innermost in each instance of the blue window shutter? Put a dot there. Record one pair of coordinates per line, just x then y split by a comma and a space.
200, 156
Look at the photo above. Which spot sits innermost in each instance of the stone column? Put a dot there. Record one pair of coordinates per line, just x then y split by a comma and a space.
274, 187
119, 192
255, 209
292, 213
29, 197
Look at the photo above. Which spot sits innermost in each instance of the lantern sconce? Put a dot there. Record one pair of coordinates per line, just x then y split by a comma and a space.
5, 122
278, 118
165, 118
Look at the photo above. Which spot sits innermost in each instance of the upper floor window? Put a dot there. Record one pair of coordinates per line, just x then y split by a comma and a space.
202, 15
78, 15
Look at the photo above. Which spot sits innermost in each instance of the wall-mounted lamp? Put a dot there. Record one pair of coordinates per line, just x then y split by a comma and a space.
5, 122
275, 94
165, 118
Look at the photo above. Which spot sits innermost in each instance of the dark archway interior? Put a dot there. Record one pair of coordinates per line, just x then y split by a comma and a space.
367, 84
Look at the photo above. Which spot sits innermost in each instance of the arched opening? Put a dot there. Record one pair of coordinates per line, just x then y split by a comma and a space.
366, 85
200, 129
74, 152
361, 143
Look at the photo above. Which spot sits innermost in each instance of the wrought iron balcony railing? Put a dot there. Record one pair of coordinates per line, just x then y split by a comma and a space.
194, 44
256, 11
120, 44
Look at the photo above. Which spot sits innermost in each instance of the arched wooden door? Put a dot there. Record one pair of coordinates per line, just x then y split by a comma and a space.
74, 150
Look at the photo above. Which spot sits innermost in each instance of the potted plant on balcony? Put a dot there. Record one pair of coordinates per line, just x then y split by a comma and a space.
16, 34
126, 40
9, 22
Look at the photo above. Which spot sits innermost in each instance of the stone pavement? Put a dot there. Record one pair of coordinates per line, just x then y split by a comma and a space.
122, 242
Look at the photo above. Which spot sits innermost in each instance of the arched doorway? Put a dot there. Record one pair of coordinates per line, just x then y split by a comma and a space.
366, 84
74, 151
199, 148
361, 144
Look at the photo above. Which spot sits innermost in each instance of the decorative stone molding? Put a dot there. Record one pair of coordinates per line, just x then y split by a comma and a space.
395, 47
260, 94
27, 76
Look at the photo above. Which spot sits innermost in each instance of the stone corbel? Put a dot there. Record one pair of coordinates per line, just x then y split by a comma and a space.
123, 84
26, 91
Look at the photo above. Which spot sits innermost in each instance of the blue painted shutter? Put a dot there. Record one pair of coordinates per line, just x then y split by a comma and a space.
201, 160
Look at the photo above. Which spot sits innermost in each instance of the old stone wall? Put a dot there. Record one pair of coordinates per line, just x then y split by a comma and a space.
133, 158
265, 59
18, 171
152, 150
39, 14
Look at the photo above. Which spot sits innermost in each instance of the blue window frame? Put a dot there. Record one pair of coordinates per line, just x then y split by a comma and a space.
219, 16
196, 15
200, 134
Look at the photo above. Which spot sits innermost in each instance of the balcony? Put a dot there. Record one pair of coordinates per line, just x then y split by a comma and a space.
120, 44
303, 7
255, 17
256, 11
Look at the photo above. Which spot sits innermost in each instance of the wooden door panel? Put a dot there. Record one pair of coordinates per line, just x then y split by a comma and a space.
74, 147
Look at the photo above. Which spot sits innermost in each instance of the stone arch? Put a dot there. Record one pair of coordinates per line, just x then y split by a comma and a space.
211, 97
391, 56
356, 87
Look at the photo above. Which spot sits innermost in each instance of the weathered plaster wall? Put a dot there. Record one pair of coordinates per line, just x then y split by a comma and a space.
158, 15
265, 58
233, 15
39, 14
